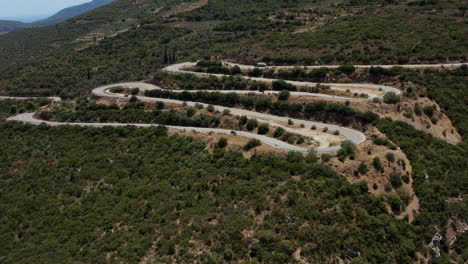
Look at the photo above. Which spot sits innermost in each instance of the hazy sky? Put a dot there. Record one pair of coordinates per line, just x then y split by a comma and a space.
33, 9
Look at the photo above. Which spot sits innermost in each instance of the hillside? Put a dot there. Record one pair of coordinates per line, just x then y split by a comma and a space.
70, 12
243, 33
105, 192
62, 15
173, 201
7, 25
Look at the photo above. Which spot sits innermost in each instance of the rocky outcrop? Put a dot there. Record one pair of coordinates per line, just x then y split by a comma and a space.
435, 243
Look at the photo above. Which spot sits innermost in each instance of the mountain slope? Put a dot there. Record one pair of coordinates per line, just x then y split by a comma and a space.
245, 31
62, 15
126, 195
130, 195
71, 12
9, 25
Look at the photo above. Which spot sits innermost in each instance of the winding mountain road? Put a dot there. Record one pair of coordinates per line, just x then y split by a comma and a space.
353, 87
29, 118
353, 135
273, 120
408, 66
104, 91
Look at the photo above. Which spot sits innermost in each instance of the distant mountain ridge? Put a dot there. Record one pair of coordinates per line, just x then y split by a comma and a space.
72, 12
9, 25
62, 15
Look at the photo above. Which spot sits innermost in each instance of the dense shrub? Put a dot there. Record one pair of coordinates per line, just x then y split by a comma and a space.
278, 132
251, 144
283, 95
377, 163
429, 110
391, 98
347, 69
263, 129
283, 85
362, 169
390, 157
395, 180
251, 124
222, 142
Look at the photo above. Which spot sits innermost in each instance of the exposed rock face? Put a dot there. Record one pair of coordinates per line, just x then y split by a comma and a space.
435, 243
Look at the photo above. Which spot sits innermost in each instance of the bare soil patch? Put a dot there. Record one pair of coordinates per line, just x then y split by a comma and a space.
404, 111
378, 180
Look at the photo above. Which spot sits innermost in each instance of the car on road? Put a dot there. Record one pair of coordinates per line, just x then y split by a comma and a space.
260, 64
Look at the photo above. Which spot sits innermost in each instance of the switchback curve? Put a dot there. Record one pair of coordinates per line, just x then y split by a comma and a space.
352, 135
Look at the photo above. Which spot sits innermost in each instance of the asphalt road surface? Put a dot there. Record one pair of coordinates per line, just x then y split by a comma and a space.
350, 134
353, 87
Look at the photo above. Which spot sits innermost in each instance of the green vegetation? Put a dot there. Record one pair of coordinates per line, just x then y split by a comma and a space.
66, 78
251, 124
284, 95
395, 180
362, 169
297, 74
70, 58
131, 113
390, 157
410, 140
112, 191
377, 163
319, 110
395, 202
391, 98
279, 132
447, 87
263, 129
347, 69
375, 33
325, 157
72, 194
429, 110
438, 172
222, 142
46, 43
12, 107
282, 85
347, 149
443, 163
252, 143
395, 33
447, 160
